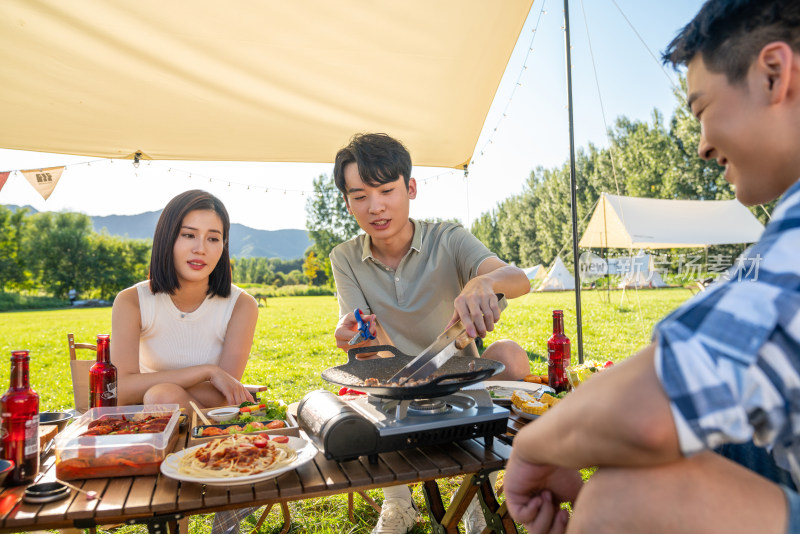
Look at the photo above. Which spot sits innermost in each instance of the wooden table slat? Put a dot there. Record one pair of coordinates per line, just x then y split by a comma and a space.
501, 449
331, 473
356, 473
423, 468
82, 507
268, 489
165, 495
469, 464
379, 472
22, 514
397, 464
190, 495
10, 502
58, 510
440, 456
215, 496
487, 457
289, 484
241, 494
140, 496
114, 497
310, 478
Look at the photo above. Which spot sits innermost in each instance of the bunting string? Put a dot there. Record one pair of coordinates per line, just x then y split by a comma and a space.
44, 180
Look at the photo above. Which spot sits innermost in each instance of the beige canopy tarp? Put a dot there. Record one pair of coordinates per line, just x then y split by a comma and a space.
266, 80
652, 223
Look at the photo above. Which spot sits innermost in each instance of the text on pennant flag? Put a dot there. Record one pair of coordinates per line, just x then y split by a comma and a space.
44, 180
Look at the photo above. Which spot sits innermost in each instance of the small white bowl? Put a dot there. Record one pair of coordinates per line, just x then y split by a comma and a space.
220, 415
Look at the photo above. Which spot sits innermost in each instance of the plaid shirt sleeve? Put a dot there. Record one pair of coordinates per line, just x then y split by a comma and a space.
729, 359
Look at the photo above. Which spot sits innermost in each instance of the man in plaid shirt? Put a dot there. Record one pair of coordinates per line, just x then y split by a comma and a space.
724, 369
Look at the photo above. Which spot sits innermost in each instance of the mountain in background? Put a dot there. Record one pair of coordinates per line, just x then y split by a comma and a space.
245, 242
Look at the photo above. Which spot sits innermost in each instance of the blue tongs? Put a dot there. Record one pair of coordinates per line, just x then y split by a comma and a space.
363, 333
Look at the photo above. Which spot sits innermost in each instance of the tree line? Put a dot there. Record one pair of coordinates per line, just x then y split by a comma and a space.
268, 271
55, 252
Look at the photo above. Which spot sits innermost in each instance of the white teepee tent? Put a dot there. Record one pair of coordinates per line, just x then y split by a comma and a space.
638, 272
639, 279
558, 278
535, 275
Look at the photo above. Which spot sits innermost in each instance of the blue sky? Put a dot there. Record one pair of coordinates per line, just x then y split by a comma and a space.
624, 37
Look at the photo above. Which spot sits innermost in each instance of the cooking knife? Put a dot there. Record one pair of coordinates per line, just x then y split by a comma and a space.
442, 349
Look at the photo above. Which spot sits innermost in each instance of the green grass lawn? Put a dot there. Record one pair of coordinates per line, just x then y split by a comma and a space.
294, 343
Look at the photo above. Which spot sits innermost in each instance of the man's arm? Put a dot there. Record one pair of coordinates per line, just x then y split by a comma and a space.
504, 278
620, 417
477, 305
350, 296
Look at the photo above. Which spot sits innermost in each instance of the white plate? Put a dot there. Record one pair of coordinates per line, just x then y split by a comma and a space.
306, 451
503, 389
523, 414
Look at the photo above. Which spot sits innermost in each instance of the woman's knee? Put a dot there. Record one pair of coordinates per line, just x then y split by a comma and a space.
512, 355
165, 394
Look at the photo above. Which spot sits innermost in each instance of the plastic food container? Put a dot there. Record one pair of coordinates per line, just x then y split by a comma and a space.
80, 456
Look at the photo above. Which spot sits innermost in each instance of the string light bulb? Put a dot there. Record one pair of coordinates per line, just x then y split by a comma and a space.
136, 159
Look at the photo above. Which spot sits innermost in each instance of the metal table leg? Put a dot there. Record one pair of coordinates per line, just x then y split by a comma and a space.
495, 514
446, 522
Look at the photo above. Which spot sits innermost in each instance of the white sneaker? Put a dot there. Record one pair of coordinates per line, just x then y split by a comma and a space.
474, 522
397, 517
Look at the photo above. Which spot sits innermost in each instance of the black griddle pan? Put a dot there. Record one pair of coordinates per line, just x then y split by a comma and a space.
452, 376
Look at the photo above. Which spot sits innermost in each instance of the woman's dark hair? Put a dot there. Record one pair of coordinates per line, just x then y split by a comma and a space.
729, 34
381, 159
163, 277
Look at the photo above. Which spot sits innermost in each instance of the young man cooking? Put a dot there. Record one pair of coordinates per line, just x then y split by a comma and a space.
411, 279
723, 368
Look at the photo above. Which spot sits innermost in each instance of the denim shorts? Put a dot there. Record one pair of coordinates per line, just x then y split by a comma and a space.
759, 460
793, 503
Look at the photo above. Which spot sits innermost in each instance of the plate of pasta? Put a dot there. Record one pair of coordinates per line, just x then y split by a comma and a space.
238, 459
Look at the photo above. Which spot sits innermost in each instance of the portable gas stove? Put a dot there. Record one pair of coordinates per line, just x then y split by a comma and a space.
364, 425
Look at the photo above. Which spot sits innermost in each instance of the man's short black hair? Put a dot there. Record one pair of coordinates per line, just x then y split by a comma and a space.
729, 34
380, 159
163, 277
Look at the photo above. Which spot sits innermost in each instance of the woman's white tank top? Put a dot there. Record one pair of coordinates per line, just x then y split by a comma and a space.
172, 339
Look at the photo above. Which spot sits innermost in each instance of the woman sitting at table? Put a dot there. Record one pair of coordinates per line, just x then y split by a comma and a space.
185, 334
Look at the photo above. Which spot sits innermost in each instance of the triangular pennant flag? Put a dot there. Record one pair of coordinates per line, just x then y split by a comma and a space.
3, 178
44, 180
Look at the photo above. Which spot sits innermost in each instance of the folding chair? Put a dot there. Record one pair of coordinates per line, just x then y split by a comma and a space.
80, 372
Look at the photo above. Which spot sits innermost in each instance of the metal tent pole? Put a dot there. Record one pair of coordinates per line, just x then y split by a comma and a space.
605, 250
573, 186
